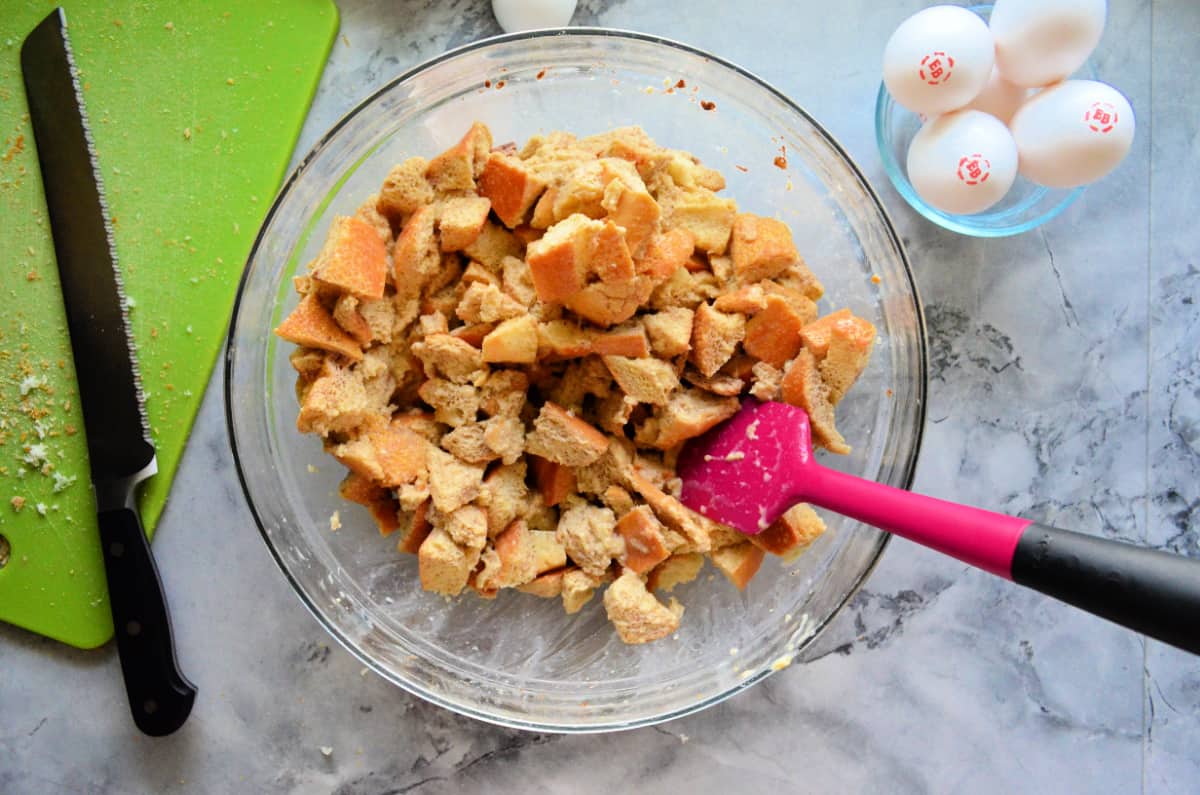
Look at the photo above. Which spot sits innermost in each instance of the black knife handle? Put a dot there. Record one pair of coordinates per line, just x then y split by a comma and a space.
159, 695
1148, 591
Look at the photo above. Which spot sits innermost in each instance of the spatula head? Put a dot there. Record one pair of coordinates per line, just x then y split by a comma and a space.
746, 471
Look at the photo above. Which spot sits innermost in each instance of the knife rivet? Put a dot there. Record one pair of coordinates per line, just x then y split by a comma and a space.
116, 549
133, 629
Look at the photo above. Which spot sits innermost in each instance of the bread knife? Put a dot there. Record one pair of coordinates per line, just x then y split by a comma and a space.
120, 452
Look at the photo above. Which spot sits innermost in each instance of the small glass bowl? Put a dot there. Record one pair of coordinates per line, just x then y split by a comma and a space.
1025, 206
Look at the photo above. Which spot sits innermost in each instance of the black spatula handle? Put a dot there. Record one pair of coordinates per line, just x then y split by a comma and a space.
159, 695
1152, 592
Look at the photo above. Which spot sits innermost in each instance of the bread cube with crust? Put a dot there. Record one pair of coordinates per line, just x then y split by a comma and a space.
674, 514
723, 384
505, 436
386, 452
564, 438
504, 495
353, 259
680, 568
804, 387
467, 443
555, 481
689, 413
475, 273
665, 253
627, 202
609, 303
747, 300
708, 217
628, 339
518, 555
761, 248
636, 614
563, 339
416, 256
375, 498
515, 341
548, 585
614, 412
311, 326
577, 589
414, 528
548, 553
345, 314
645, 380
849, 351
791, 534
560, 261
645, 545
369, 212
452, 483
588, 534
670, 331
798, 277
773, 335
511, 186
738, 562
443, 565
405, 190
457, 167
715, 337
460, 221
517, 280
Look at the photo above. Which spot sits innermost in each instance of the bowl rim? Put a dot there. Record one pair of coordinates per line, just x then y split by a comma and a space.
908, 471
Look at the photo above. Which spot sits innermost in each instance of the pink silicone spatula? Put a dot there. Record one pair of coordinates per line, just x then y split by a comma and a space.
746, 472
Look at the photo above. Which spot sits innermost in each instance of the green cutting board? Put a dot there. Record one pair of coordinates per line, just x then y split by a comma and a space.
195, 108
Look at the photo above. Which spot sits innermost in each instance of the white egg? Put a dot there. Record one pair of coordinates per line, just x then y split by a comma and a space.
999, 97
1039, 42
516, 15
962, 162
938, 59
1073, 133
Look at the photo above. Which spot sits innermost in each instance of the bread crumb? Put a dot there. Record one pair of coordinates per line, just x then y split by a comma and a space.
752, 430
17, 503
312, 470
783, 661
335, 521
326, 751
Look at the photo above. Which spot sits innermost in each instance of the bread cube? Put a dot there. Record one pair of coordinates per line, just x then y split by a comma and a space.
676, 570
645, 380
461, 221
405, 190
443, 565
715, 337
804, 387
791, 534
564, 438
311, 326
515, 341
376, 499
353, 259
645, 546
457, 167
554, 481
511, 187
670, 331
634, 612
773, 335
761, 247
738, 562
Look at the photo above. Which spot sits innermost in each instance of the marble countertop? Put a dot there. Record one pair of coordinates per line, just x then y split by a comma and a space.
1064, 385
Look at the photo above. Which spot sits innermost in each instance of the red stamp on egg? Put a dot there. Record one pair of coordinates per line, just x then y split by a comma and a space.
936, 68
974, 169
1101, 117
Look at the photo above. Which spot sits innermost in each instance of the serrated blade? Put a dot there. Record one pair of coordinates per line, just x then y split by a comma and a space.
110, 392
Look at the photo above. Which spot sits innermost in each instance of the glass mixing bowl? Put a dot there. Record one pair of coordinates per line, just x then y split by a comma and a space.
519, 660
